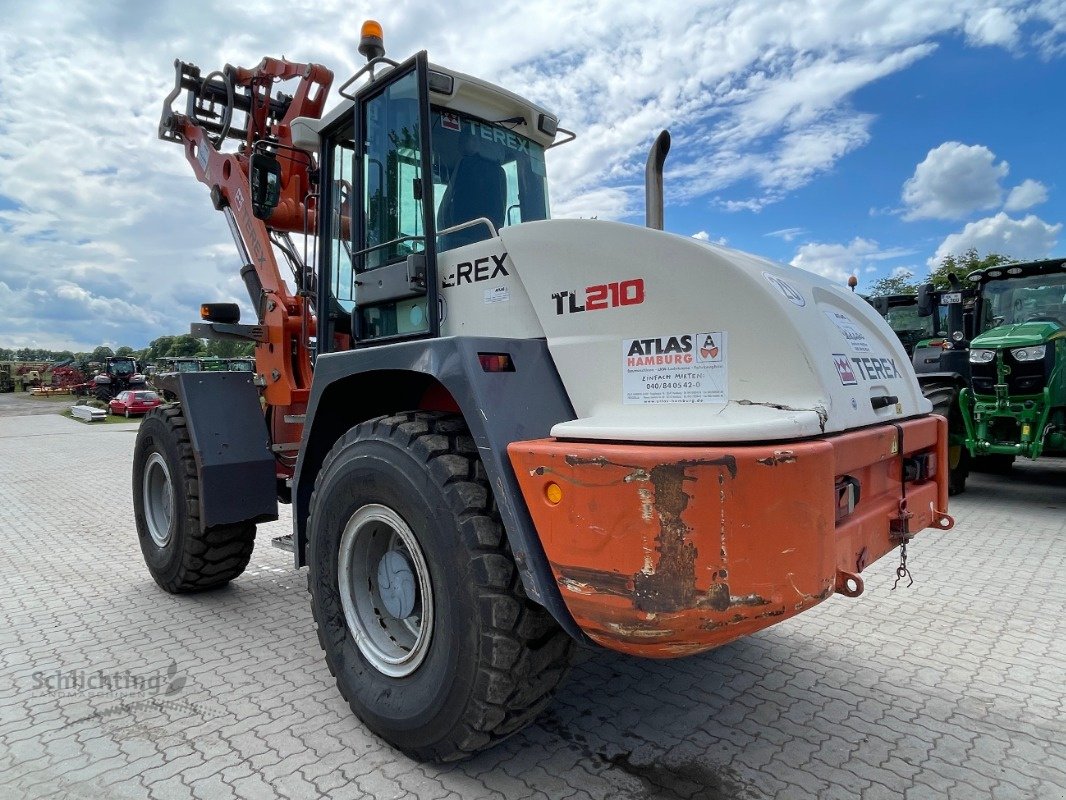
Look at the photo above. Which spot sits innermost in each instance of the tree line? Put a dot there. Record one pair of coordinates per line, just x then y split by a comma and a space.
960, 266
163, 347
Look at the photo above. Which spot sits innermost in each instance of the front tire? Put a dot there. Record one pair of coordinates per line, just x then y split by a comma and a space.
945, 400
418, 603
166, 491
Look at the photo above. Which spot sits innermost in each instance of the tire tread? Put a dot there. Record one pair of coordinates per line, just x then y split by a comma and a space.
523, 654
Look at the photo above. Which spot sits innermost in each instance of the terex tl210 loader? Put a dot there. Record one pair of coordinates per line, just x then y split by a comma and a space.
503, 434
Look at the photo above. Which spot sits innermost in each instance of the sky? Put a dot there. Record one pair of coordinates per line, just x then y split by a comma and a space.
838, 136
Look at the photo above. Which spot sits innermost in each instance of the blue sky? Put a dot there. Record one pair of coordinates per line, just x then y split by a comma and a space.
839, 136
976, 96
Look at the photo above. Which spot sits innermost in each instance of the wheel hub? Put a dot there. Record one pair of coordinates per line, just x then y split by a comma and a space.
158, 496
385, 591
396, 584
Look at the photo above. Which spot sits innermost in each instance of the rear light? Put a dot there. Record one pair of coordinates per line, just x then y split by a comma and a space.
496, 362
919, 468
848, 491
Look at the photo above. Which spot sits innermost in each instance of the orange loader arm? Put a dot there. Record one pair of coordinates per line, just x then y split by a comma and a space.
286, 319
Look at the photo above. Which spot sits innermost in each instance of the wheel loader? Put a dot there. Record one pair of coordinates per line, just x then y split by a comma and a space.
505, 436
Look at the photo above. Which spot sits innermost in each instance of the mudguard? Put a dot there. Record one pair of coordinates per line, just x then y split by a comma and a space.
499, 407
238, 481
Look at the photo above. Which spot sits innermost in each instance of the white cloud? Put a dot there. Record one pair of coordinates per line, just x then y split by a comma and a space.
992, 27
703, 236
1025, 195
835, 261
1023, 239
756, 94
787, 234
953, 180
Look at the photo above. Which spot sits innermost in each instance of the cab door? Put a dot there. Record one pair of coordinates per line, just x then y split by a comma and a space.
394, 236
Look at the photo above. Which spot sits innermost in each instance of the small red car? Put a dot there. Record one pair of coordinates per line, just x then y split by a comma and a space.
135, 402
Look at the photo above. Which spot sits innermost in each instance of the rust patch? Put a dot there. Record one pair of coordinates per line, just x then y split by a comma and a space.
598, 580
717, 597
779, 457
729, 462
672, 586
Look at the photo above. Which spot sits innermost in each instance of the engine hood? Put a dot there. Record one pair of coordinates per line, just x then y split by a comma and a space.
1020, 335
661, 337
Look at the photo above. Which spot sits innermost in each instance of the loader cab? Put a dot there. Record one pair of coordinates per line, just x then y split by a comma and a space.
421, 162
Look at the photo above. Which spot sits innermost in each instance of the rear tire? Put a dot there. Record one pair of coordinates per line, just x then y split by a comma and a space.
479, 660
945, 400
166, 493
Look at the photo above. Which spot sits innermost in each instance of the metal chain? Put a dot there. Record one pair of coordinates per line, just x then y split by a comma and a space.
902, 571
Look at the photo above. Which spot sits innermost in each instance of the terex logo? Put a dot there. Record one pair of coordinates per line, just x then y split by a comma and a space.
664, 350
477, 271
600, 296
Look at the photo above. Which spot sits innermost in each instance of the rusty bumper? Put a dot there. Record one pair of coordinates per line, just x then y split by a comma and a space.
665, 551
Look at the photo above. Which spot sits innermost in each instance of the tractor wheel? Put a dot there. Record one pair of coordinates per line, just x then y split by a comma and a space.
166, 491
418, 603
945, 400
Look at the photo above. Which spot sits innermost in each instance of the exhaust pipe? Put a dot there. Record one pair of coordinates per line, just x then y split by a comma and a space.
653, 181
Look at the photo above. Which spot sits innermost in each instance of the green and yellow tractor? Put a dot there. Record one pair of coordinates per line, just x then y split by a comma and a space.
1016, 402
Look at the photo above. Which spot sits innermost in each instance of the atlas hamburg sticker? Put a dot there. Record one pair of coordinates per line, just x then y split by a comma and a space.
678, 368
844, 370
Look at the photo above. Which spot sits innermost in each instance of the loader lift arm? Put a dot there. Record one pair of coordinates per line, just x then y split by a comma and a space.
213, 101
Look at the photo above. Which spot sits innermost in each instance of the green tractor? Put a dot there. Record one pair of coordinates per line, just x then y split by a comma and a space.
1016, 403
935, 326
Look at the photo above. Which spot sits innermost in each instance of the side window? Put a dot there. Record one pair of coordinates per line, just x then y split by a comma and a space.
340, 241
392, 165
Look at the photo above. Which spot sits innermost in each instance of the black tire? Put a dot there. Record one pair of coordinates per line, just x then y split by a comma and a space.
189, 560
945, 400
494, 658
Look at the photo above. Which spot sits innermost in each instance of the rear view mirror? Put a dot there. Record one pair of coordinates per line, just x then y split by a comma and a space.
265, 179
925, 301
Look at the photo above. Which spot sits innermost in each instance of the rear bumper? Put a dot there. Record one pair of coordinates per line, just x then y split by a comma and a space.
665, 551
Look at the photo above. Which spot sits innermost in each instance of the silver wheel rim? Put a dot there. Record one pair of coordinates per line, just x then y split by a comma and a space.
158, 499
391, 624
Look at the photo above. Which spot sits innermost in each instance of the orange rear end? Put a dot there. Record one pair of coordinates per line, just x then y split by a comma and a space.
666, 551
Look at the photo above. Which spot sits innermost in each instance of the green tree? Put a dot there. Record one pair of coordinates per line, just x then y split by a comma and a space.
962, 265
100, 353
902, 283
124, 351
229, 348
185, 345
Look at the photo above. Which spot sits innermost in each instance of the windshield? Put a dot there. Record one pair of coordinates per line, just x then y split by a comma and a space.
1031, 299
484, 169
905, 320
122, 367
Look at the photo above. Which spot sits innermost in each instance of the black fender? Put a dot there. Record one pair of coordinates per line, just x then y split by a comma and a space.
499, 408
928, 380
231, 445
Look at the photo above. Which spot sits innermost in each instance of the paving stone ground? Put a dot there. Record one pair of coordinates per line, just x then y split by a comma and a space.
952, 688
